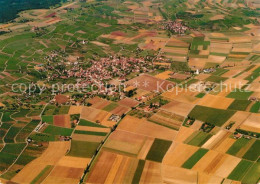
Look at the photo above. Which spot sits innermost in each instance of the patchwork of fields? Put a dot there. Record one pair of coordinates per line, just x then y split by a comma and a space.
163, 92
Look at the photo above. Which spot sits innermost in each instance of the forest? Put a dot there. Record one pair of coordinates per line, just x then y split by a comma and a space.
9, 9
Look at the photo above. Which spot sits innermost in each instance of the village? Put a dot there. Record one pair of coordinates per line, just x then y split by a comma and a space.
98, 72
131, 92
175, 27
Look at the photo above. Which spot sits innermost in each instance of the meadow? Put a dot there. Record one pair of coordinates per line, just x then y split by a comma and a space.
211, 115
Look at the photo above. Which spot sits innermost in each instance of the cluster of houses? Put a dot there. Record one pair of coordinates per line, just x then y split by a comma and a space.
189, 121
253, 98
115, 118
99, 72
175, 27
151, 107
65, 138
107, 68
209, 70
239, 135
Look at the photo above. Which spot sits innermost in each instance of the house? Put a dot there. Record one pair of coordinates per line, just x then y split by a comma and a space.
237, 136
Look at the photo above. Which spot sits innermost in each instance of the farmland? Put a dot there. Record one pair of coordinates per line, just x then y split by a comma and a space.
158, 149
253, 153
194, 158
130, 92
87, 149
239, 171
237, 146
211, 115
252, 175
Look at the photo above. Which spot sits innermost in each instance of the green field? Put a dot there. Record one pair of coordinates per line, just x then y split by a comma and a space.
8, 175
239, 105
199, 41
26, 131
252, 176
6, 159
240, 94
220, 71
158, 150
255, 108
237, 146
211, 115
83, 148
14, 148
24, 159
6, 126
13, 131
216, 79
90, 133
41, 176
21, 113
88, 123
49, 110
198, 139
253, 75
35, 112
47, 119
54, 130
42, 137
189, 82
138, 172
110, 107
200, 95
6, 117
254, 152
240, 170
9, 154
188, 164
63, 110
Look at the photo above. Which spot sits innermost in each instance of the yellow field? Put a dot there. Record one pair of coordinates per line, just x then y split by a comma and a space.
179, 108
183, 134
75, 109
143, 127
163, 75
96, 115
113, 168
50, 156
151, 173
198, 63
64, 174
176, 175
125, 141
75, 162
216, 139
89, 138
205, 178
252, 123
145, 149
177, 94
215, 101
225, 145
178, 153
239, 117
216, 163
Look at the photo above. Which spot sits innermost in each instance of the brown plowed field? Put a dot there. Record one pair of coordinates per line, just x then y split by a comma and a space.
62, 121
